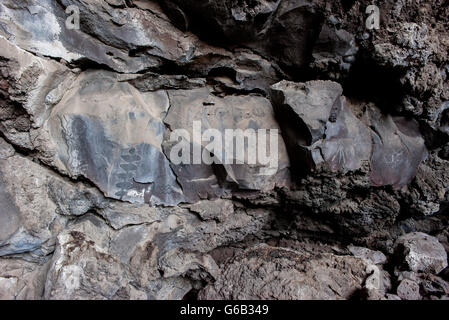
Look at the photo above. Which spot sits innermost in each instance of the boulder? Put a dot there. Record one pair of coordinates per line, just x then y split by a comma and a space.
408, 290
420, 252
375, 257
398, 149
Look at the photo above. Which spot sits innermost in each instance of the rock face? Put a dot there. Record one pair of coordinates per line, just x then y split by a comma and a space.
251, 149
332, 134
119, 149
228, 113
284, 30
319, 110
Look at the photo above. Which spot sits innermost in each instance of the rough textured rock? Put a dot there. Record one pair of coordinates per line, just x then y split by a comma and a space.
160, 258
408, 290
334, 52
284, 30
29, 219
93, 204
422, 252
375, 257
30, 87
21, 280
267, 272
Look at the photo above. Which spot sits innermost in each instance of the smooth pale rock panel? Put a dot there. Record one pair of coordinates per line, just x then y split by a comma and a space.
347, 146
111, 134
34, 24
265, 272
398, 149
319, 127
31, 86
312, 102
228, 113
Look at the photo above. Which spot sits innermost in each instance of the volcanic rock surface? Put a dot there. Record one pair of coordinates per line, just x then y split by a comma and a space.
353, 205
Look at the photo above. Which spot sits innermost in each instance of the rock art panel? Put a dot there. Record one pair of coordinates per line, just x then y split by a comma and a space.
228, 113
398, 149
111, 134
313, 102
347, 146
320, 128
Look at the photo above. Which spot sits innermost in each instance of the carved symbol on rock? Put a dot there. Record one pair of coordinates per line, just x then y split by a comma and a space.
130, 168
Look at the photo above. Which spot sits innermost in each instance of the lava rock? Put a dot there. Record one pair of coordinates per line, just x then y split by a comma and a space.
408, 290
112, 135
6, 150
375, 257
200, 181
264, 272
420, 252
